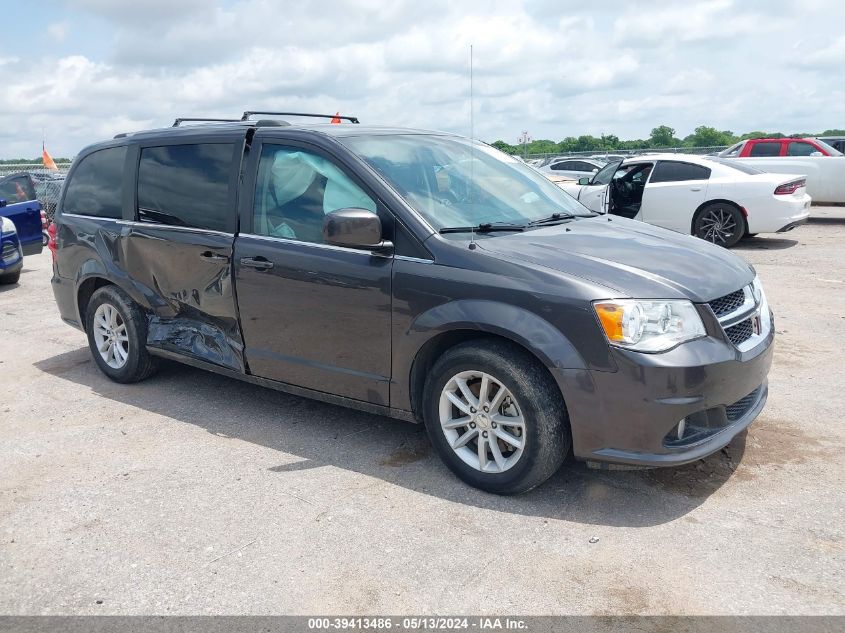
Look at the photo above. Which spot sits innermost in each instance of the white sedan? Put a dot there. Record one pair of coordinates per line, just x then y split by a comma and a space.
573, 168
713, 198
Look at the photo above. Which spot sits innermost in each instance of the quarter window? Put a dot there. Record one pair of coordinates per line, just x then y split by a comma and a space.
674, 171
96, 185
296, 189
765, 149
186, 185
564, 165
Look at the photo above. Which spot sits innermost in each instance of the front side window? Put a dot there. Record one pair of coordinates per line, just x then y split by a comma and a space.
96, 185
17, 189
295, 191
675, 171
186, 185
765, 149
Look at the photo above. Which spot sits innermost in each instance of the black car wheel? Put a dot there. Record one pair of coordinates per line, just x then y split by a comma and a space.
10, 278
720, 224
495, 416
117, 336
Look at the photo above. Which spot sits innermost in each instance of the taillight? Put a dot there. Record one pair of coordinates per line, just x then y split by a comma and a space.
51, 243
43, 220
790, 187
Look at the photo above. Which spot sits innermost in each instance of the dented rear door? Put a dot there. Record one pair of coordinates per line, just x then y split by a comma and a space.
178, 247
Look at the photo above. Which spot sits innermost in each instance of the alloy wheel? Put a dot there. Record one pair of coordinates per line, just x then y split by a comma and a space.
717, 225
482, 421
110, 336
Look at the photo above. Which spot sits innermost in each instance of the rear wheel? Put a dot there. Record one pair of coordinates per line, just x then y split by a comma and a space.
720, 224
496, 417
117, 336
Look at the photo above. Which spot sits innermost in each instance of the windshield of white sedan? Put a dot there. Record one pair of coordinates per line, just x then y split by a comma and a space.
454, 182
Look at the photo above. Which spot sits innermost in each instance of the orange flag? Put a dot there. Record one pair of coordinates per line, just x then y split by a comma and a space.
48, 161
336, 117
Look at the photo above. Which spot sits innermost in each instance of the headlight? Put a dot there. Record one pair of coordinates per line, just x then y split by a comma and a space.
757, 290
649, 326
7, 226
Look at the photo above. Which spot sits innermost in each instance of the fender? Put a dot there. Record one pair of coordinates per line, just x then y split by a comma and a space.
517, 324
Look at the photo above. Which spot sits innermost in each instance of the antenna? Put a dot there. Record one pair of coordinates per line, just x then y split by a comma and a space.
471, 134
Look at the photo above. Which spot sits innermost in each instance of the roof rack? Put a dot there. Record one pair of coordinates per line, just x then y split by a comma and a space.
179, 121
351, 119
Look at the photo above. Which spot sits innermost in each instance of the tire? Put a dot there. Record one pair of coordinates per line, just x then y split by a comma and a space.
534, 397
126, 359
719, 223
11, 278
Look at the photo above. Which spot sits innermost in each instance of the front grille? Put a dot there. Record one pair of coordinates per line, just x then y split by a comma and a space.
739, 408
740, 332
728, 303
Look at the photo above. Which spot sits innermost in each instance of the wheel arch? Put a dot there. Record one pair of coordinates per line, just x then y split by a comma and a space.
731, 203
535, 336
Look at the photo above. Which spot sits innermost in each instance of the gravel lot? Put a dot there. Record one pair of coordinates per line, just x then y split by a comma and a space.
191, 493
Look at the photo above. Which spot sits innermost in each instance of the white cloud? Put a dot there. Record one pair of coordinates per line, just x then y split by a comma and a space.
57, 31
553, 67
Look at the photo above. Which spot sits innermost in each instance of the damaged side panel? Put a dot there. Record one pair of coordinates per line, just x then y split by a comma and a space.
189, 272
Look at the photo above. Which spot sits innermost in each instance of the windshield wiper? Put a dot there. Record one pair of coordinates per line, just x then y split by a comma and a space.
554, 217
484, 227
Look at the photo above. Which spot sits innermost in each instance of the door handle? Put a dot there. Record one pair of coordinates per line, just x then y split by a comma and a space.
259, 263
695, 188
213, 257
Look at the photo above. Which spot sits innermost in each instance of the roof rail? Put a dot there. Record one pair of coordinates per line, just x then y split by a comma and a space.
351, 119
179, 121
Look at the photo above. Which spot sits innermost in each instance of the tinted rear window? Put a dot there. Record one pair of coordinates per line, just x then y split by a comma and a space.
186, 185
672, 171
96, 185
765, 149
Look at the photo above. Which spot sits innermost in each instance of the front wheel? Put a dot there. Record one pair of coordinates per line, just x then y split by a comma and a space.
721, 224
495, 416
10, 278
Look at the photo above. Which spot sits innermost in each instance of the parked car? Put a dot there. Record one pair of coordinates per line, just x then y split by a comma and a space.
711, 198
573, 168
413, 274
11, 254
836, 142
20, 205
822, 165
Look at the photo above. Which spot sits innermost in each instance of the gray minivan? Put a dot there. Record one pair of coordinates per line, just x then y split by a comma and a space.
418, 275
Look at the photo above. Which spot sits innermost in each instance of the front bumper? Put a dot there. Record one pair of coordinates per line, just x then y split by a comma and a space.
631, 416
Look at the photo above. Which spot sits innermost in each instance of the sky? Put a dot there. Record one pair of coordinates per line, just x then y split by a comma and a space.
79, 71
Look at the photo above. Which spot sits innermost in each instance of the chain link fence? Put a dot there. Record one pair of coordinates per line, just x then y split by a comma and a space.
628, 152
19, 182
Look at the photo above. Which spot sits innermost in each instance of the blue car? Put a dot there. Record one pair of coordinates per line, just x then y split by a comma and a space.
11, 253
18, 202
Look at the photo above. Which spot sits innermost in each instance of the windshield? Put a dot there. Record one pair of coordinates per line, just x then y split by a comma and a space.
829, 148
452, 181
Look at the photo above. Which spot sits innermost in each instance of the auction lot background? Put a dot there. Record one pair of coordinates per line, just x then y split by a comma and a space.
193, 494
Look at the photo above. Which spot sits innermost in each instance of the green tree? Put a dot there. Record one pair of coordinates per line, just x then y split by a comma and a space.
705, 136
663, 136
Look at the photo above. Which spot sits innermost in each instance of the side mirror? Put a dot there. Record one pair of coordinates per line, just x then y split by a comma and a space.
584, 181
2, 202
355, 228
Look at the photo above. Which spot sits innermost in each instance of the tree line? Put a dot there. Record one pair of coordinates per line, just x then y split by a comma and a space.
31, 161
661, 137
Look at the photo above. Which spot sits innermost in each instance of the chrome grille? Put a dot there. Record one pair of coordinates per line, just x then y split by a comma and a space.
740, 332
739, 408
728, 303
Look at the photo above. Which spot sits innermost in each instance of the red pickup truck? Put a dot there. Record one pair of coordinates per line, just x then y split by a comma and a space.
779, 147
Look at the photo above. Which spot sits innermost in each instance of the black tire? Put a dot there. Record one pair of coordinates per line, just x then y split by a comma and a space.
719, 223
11, 278
139, 363
547, 435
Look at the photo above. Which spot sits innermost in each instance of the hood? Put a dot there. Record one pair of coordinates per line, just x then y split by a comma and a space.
632, 258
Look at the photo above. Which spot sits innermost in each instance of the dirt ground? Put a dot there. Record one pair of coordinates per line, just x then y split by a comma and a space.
194, 494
